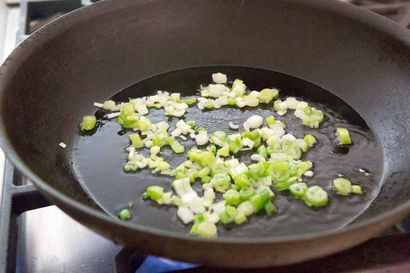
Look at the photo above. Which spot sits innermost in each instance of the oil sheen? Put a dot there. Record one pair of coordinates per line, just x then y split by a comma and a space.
98, 159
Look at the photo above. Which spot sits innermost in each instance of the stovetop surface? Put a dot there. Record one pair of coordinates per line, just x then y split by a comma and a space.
49, 241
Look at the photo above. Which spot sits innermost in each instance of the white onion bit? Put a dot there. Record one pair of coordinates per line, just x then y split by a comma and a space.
62, 145
253, 122
112, 115
233, 126
219, 78
308, 173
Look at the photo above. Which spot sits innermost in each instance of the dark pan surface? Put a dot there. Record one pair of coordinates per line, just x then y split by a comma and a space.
55, 75
98, 159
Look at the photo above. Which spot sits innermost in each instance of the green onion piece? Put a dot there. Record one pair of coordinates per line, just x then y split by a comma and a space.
202, 157
292, 149
234, 142
232, 197
131, 166
316, 197
303, 166
88, 123
262, 151
342, 186
154, 192
203, 228
205, 179
177, 147
267, 95
218, 138
136, 140
259, 200
221, 182
212, 149
246, 193
254, 136
270, 121
109, 105
246, 207
240, 217
241, 180
224, 151
298, 190
228, 215
188, 101
309, 140
356, 189
144, 124
127, 118
343, 136
238, 88
191, 123
125, 215
204, 171
270, 208
231, 101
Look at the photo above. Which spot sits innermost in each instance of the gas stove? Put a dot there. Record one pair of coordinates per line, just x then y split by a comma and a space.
38, 237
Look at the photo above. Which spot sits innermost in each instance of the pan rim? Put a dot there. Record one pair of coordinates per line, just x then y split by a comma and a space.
27, 47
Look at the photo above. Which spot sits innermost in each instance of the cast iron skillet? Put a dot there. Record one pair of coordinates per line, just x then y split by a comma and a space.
54, 76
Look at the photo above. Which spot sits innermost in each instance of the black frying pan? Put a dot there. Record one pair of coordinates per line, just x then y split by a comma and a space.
52, 79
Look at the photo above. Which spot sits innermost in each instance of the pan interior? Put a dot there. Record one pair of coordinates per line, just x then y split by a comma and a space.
98, 158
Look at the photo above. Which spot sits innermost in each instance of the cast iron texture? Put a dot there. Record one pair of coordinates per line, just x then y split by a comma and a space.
54, 76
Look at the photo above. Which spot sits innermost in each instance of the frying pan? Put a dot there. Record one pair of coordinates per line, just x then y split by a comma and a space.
54, 76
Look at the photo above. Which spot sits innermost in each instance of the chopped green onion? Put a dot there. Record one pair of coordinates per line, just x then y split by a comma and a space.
356, 189
246, 193
259, 200
270, 208
221, 182
270, 121
136, 140
262, 151
203, 228
298, 190
310, 116
177, 147
109, 105
316, 197
154, 192
228, 215
125, 215
342, 186
88, 123
224, 151
267, 95
309, 140
232, 197
343, 136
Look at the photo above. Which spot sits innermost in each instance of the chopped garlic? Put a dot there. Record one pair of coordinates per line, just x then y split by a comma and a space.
219, 78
